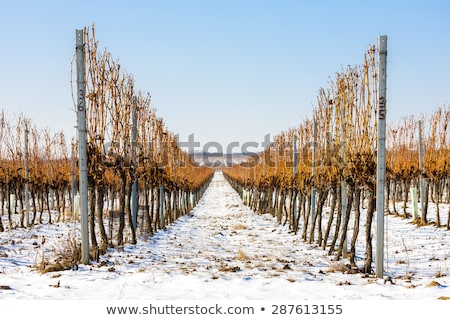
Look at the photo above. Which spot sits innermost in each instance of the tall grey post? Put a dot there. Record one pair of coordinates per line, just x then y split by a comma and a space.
294, 155
381, 154
294, 175
73, 180
82, 155
134, 200
313, 173
27, 196
342, 136
422, 185
162, 198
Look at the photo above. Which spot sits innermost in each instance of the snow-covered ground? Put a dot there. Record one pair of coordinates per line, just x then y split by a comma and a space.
223, 250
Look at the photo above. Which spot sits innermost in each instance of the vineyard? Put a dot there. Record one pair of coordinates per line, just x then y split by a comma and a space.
317, 179
326, 167
126, 144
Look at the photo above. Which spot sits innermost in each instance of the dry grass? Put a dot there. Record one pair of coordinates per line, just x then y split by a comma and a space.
226, 268
440, 273
239, 227
340, 267
241, 255
66, 253
434, 284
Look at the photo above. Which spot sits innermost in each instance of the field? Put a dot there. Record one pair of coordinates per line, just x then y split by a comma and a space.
125, 212
223, 250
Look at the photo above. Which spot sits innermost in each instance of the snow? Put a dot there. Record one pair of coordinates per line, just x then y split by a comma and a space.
222, 250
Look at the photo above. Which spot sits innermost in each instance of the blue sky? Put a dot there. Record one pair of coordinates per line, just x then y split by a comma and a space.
224, 70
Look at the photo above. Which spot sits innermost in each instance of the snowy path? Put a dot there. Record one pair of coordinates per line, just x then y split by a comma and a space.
222, 250
224, 240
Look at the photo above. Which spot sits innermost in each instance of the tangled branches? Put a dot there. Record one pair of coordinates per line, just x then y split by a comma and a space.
331, 159
127, 144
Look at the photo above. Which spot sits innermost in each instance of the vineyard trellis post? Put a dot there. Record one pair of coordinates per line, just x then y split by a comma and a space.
381, 154
421, 181
294, 175
134, 204
313, 172
82, 155
27, 196
342, 138
162, 199
72, 178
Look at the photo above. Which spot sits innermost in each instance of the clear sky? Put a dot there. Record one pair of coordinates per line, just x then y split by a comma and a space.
224, 70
